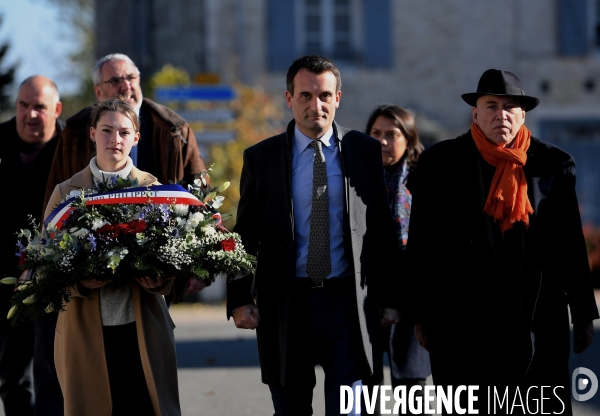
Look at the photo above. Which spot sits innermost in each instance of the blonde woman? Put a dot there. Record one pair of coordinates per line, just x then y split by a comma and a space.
114, 347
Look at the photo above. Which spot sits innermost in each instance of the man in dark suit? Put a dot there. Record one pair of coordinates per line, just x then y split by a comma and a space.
498, 254
321, 287
27, 145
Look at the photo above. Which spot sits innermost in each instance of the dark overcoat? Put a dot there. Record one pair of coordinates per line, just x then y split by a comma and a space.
25, 185
265, 222
494, 305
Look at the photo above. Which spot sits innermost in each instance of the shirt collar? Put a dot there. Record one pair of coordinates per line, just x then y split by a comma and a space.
302, 141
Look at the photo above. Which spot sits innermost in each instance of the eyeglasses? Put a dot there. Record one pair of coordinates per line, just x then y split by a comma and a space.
114, 81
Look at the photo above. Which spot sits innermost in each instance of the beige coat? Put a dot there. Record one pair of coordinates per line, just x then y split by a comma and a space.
79, 346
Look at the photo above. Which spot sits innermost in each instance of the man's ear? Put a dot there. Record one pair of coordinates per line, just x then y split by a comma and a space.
98, 92
58, 109
474, 113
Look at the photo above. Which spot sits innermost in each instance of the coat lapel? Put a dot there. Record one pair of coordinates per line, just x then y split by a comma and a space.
339, 134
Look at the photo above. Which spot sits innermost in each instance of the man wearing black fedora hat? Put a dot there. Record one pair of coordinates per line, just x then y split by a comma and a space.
498, 254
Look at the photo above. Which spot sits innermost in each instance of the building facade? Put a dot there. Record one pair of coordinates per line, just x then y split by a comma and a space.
418, 54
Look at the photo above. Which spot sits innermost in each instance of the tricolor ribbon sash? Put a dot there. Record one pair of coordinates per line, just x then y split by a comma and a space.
157, 194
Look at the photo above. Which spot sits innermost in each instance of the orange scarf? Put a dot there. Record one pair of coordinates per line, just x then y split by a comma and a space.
507, 201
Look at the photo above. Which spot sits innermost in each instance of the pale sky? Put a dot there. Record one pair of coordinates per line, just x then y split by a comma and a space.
38, 40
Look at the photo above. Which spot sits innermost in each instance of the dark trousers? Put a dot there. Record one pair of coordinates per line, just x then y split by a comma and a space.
397, 342
16, 361
48, 395
128, 388
323, 330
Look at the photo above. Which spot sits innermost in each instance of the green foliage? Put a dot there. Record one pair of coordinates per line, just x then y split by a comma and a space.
259, 116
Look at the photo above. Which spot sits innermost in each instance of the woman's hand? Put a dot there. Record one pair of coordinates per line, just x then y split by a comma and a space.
421, 335
194, 285
389, 316
152, 284
93, 283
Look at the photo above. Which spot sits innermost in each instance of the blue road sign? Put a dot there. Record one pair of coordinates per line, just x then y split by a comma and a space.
194, 92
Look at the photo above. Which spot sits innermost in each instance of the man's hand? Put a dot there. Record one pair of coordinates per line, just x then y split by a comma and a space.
389, 316
583, 333
421, 336
246, 317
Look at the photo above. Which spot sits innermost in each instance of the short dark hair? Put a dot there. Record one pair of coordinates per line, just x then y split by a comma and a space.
317, 65
114, 105
406, 123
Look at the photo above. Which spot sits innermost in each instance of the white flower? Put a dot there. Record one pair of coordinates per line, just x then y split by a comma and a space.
209, 230
97, 223
218, 201
174, 253
141, 238
193, 221
74, 194
47, 252
181, 210
81, 233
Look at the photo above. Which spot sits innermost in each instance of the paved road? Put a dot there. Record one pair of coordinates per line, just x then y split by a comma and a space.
219, 373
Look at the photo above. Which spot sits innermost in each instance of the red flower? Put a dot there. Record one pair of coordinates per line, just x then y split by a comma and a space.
106, 229
113, 231
22, 257
227, 245
135, 226
120, 228
110, 230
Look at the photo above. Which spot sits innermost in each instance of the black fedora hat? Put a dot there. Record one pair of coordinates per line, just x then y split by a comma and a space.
503, 83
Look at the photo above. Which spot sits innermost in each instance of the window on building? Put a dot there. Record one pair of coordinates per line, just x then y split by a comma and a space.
596, 24
355, 32
574, 19
328, 27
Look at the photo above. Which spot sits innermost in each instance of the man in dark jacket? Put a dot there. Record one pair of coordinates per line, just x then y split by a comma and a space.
27, 145
499, 255
322, 287
167, 148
